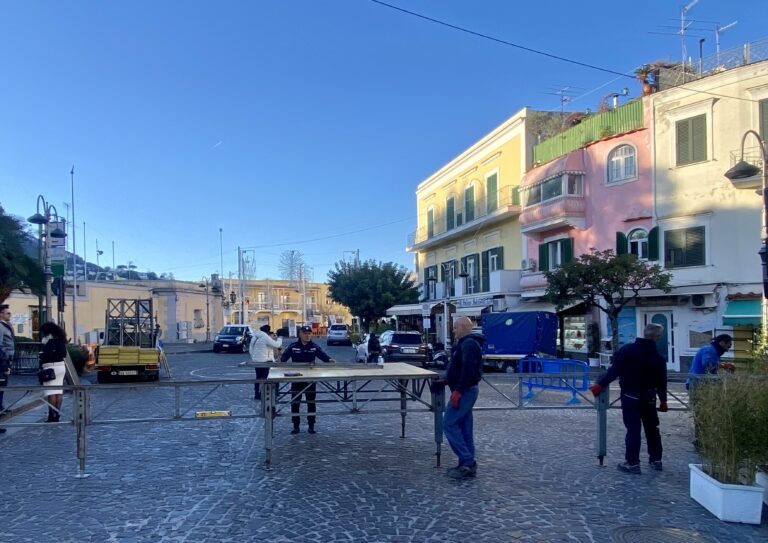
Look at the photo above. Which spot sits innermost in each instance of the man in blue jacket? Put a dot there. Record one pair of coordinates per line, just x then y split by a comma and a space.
642, 374
464, 373
707, 359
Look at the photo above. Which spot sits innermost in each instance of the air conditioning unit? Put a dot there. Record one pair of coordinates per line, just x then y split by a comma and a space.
528, 264
700, 301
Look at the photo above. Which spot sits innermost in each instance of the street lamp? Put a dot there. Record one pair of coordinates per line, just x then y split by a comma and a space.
43, 221
207, 317
744, 170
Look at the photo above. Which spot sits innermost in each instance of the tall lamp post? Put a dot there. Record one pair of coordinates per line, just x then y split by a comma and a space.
43, 220
207, 314
744, 170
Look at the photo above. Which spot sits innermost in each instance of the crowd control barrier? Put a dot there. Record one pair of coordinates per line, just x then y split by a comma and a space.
568, 375
26, 358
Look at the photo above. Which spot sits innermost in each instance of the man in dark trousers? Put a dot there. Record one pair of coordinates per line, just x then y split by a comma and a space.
7, 349
642, 374
305, 350
463, 375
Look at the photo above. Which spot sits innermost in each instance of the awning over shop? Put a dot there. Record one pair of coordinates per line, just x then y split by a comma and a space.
743, 313
407, 309
539, 306
685, 290
473, 311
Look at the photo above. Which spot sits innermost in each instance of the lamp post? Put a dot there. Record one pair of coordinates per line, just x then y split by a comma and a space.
43, 220
744, 170
207, 314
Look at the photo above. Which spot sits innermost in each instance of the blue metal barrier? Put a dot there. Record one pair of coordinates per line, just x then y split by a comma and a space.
555, 374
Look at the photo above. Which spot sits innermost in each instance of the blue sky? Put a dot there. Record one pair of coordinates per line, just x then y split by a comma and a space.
290, 124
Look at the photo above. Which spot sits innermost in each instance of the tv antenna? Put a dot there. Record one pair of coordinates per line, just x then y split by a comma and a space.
563, 92
719, 30
683, 26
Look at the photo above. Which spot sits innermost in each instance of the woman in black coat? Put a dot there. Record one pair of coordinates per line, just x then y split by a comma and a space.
52, 357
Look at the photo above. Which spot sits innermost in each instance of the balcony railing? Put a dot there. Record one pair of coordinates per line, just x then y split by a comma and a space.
570, 210
609, 123
507, 201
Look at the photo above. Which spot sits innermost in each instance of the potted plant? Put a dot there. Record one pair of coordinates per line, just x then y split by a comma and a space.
731, 415
644, 74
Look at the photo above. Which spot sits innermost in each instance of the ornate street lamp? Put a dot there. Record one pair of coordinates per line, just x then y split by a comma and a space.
207, 317
43, 221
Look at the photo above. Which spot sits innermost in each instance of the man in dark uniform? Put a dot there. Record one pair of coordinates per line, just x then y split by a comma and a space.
305, 351
642, 374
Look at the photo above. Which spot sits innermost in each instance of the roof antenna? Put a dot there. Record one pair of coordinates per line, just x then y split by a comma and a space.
684, 26
719, 30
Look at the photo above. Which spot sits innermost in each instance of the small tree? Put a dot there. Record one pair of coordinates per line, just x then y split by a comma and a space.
17, 269
604, 280
369, 288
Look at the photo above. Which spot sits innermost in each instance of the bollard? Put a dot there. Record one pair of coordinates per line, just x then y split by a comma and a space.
601, 438
81, 415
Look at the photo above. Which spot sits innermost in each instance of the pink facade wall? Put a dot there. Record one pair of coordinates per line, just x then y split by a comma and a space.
618, 207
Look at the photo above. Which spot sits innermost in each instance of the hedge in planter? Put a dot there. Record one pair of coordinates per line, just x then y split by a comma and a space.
731, 416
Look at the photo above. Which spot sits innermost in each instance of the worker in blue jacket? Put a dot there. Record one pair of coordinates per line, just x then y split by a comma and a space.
707, 359
642, 374
465, 370
305, 350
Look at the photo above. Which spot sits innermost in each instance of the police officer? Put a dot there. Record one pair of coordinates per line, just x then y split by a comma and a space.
305, 350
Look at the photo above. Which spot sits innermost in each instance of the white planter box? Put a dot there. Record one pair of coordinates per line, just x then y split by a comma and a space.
761, 479
732, 503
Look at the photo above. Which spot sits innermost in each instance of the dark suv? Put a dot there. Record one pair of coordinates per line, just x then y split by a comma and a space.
233, 337
402, 346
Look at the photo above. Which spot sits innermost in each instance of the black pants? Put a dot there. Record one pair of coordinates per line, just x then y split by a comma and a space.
261, 373
309, 392
3, 383
637, 410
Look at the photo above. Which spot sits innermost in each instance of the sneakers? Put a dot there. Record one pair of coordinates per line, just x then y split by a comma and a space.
460, 472
626, 467
311, 430
295, 430
656, 464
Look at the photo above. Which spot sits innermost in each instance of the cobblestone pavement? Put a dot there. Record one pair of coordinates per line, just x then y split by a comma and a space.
356, 480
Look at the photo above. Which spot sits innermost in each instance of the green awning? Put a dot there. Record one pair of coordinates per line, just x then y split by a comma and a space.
743, 313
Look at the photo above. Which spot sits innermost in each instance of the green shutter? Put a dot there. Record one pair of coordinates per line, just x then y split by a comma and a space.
683, 135
653, 243
500, 257
450, 213
485, 278
621, 243
430, 223
567, 248
469, 204
699, 138
694, 247
515, 196
492, 189
674, 248
543, 257
763, 119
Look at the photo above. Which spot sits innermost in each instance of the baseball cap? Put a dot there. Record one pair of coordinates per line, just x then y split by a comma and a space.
305, 329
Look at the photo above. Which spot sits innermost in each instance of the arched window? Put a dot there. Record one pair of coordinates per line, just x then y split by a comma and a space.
622, 164
638, 243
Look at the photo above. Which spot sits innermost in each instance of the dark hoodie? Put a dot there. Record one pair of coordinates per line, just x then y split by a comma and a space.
641, 370
466, 367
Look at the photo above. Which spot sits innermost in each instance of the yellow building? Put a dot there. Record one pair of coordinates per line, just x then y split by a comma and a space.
187, 311
468, 243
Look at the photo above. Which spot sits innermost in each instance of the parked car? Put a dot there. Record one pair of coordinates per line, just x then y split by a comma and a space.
233, 337
339, 334
402, 346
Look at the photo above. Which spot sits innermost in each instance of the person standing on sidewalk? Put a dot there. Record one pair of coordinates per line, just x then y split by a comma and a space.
52, 357
7, 350
305, 350
262, 351
642, 374
463, 376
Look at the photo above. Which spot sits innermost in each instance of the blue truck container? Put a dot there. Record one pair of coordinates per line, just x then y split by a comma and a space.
511, 336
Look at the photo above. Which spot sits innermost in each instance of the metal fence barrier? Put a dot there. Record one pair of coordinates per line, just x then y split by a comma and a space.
26, 358
555, 374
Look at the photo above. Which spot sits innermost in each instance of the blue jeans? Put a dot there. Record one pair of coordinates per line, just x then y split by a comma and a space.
457, 424
637, 410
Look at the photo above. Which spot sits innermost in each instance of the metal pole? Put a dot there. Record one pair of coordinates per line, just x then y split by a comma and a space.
601, 437
114, 277
47, 270
41, 262
74, 260
207, 318
240, 279
85, 260
221, 252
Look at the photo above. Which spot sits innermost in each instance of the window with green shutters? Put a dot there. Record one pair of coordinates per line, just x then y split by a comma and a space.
450, 213
691, 140
763, 105
469, 203
430, 222
490, 260
448, 271
430, 277
470, 265
554, 254
492, 190
684, 247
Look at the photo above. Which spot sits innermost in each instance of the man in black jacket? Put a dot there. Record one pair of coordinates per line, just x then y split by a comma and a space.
7, 346
642, 374
463, 375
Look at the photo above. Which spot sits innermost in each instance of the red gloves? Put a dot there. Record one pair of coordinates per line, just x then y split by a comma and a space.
728, 366
596, 389
663, 407
455, 397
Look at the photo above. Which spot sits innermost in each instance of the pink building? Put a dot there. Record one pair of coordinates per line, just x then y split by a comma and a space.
597, 196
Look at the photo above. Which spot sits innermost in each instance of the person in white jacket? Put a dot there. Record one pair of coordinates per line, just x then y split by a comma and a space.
262, 350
